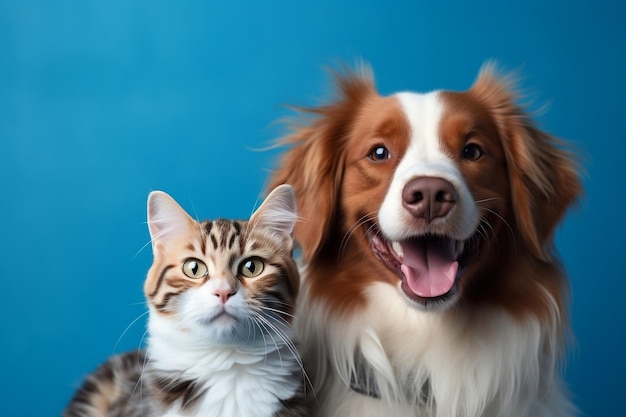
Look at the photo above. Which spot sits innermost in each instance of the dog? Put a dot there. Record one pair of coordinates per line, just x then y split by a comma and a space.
431, 285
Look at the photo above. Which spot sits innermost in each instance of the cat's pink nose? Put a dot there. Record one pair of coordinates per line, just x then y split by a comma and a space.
224, 294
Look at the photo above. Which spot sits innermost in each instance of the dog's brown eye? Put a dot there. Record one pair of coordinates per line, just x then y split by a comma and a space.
472, 152
379, 153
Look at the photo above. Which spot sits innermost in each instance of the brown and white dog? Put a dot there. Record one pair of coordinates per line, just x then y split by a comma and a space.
431, 286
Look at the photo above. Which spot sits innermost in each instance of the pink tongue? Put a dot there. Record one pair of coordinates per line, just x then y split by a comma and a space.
429, 267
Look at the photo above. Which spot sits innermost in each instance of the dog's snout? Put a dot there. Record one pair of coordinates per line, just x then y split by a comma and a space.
429, 198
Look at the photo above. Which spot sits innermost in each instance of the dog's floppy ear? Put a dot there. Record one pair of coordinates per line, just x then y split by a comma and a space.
314, 163
543, 174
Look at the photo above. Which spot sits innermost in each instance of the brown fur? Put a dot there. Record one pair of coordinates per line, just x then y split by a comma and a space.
529, 178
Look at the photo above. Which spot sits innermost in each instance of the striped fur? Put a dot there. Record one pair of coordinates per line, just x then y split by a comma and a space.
221, 296
114, 389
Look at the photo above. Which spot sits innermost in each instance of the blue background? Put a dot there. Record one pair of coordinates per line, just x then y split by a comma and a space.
103, 101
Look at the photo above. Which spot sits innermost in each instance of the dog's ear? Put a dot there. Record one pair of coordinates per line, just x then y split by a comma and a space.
543, 174
313, 171
314, 163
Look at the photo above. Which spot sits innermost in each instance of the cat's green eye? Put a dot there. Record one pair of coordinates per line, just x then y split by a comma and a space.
251, 267
194, 268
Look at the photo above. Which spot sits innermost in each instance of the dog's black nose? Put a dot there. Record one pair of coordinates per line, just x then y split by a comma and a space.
429, 198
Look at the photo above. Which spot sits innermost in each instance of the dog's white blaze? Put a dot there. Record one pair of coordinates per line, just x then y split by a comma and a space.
425, 157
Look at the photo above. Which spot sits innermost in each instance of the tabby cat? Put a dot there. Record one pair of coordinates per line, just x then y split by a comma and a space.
221, 296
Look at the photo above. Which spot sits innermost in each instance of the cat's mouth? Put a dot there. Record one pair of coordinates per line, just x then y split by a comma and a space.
221, 317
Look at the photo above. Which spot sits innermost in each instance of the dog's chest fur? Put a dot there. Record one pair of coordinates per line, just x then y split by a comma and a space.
489, 357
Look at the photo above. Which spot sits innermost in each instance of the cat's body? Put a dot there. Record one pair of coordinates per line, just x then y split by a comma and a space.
221, 297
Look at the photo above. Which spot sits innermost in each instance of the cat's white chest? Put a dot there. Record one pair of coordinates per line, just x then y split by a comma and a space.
232, 383
220, 379
250, 391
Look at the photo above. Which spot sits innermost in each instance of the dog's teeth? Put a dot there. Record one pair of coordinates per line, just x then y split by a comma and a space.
397, 248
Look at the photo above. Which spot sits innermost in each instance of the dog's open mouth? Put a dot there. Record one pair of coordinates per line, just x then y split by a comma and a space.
427, 265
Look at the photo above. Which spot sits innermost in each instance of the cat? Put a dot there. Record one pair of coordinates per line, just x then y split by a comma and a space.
221, 298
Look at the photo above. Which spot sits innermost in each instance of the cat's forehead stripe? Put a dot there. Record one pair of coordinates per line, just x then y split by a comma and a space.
232, 240
203, 246
223, 239
222, 233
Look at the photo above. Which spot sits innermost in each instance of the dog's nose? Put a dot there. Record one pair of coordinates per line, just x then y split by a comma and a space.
429, 198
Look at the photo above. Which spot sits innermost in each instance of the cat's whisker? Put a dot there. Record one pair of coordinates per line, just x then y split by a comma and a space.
259, 320
138, 303
251, 339
143, 338
270, 330
287, 341
141, 250
281, 336
197, 339
195, 212
284, 307
141, 378
261, 331
128, 328
280, 312
275, 300
294, 351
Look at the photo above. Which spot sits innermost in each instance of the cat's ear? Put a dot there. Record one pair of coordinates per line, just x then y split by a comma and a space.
278, 213
167, 220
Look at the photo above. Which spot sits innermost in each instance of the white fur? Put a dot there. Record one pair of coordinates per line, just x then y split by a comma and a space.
424, 157
487, 364
244, 381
